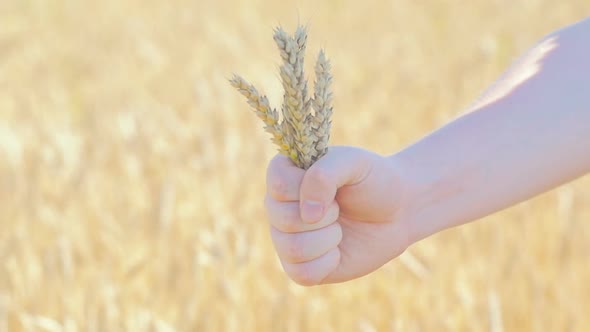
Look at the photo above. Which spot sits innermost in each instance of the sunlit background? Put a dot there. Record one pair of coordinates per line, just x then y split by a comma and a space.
132, 174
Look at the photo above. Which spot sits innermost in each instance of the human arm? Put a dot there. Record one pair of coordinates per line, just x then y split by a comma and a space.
529, 133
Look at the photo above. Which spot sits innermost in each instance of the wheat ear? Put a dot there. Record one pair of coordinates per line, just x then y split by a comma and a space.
322, 105
296, 106
262, 108
301, 135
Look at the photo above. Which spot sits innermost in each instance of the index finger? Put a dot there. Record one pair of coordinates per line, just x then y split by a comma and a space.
283, 179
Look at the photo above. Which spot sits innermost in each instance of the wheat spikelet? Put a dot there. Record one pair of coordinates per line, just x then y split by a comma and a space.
301, 135
322, 105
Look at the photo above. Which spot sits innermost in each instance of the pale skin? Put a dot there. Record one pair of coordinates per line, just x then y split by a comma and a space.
354, 210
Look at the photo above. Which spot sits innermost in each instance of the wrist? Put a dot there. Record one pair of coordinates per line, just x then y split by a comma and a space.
406, 189
426, 196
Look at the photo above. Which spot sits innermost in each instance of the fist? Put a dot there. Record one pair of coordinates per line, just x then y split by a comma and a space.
340, 219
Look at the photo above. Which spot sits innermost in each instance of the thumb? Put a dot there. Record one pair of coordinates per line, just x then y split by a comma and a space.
339, 167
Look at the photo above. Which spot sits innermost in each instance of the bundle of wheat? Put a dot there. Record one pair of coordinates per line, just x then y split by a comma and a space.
301, 135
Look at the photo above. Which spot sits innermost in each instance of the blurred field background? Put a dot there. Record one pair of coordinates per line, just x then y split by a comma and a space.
132, 175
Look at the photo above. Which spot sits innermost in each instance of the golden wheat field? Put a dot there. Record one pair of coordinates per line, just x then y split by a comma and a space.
132, 175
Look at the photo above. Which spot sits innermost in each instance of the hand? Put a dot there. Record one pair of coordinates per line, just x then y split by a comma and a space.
338, 220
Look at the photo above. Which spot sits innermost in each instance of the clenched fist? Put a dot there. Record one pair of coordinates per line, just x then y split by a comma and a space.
340, 219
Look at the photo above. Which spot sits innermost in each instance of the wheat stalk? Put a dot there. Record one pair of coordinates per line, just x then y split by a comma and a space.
301, 135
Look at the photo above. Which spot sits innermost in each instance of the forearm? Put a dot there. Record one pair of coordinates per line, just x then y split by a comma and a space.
530, 134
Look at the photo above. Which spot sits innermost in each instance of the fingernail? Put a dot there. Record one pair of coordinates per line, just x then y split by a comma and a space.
312, 211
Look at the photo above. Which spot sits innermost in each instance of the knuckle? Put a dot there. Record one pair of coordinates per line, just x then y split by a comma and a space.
294, 248
286, 225
283, 216
279, 189
278, 186
289, 247
291, 221
303, 275
318, 175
